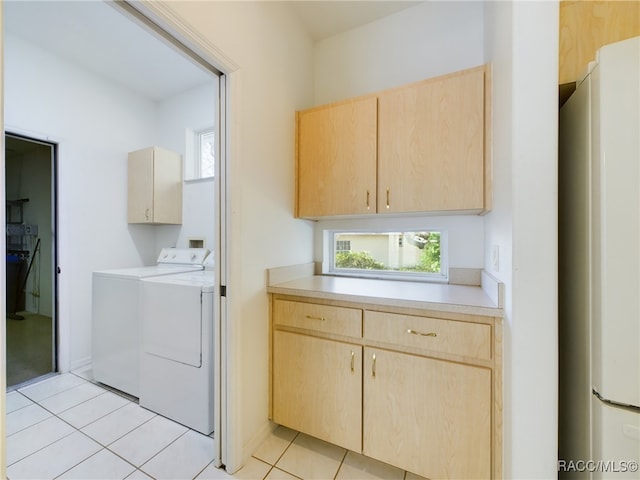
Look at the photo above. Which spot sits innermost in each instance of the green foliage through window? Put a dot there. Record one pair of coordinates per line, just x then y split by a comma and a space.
400, 252
357, 260
430, 260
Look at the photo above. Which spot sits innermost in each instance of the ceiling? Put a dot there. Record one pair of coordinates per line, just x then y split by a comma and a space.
99, 37
323, 19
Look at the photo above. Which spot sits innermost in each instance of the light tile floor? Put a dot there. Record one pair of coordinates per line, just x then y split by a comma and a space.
67, 427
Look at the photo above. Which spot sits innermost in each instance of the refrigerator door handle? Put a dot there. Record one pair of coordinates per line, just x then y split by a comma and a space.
613, 403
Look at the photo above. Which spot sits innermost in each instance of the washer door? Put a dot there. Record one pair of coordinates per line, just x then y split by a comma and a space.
172, 322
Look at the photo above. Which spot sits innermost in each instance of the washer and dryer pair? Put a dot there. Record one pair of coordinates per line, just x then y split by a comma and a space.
153, 334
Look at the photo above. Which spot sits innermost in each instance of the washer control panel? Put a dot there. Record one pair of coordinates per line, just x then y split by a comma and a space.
183, 256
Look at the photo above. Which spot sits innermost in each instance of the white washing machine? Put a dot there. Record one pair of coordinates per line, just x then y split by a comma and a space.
178, 368
116, 312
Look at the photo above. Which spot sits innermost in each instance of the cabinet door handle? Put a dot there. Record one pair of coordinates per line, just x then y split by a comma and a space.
373, 365
428, 334
146, 214
311, 317
353, 361
388, 198
368, 197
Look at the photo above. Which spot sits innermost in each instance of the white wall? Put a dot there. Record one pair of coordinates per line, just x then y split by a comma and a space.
431, 39
522, 44
95, 124
194, 109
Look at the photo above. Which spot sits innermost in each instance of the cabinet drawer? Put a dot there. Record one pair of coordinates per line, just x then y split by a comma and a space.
321, 318
445, 336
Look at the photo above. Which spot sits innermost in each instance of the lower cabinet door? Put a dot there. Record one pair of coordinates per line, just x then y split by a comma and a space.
428, 416
317, 388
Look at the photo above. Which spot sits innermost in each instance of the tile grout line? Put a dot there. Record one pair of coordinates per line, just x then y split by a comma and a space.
162, 450
200, 472
75, 430
59, 375
280, 457
346, 452
135, 401
41, 448
79, 430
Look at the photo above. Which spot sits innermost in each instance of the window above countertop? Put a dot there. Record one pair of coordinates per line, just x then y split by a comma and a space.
414, 255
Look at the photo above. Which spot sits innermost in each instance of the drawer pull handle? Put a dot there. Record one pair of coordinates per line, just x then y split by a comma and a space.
353, 361
311, 317
373, 366
429, 334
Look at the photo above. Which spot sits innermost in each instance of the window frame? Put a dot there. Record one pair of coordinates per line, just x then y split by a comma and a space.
193, 154
330, 245
197, 159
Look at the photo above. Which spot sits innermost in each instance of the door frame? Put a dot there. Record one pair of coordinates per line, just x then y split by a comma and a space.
161, 19
12, 132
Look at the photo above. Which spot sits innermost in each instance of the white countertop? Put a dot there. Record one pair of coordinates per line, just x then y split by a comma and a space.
441, 297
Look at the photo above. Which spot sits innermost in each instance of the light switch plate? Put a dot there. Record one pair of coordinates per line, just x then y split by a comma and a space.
495, 258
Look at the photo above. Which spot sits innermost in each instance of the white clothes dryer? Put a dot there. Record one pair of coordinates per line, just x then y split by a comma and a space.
178, 367
116, 315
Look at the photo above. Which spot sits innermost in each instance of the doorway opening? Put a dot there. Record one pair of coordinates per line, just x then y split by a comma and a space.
31, 293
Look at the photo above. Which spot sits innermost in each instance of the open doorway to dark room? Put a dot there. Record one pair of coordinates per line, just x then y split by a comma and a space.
30, 258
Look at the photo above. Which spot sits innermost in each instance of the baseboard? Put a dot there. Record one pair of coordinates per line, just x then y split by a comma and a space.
257, 440
80, 364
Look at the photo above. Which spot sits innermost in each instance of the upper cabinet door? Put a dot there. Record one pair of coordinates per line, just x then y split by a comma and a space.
140, 187
336, 159
154, 186
432, 145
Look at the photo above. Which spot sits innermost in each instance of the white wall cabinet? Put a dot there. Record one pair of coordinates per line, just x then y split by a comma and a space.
154, 186
417, 389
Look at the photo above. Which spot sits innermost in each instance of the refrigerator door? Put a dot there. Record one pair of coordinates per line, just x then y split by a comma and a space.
615, 332
616, 449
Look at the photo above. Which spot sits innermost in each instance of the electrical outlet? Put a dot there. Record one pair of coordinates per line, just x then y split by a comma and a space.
495, 258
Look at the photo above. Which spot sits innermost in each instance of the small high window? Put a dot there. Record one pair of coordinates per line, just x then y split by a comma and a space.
201, 154
415, 255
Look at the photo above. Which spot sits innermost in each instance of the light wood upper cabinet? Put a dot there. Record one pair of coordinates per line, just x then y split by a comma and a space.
431, 145
154, 186
336, 154
587, 26
424, 147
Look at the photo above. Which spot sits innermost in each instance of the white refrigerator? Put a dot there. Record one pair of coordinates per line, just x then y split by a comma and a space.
599, 269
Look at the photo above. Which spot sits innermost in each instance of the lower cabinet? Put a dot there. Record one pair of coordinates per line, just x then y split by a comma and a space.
430, 417
411, 390
317, 388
